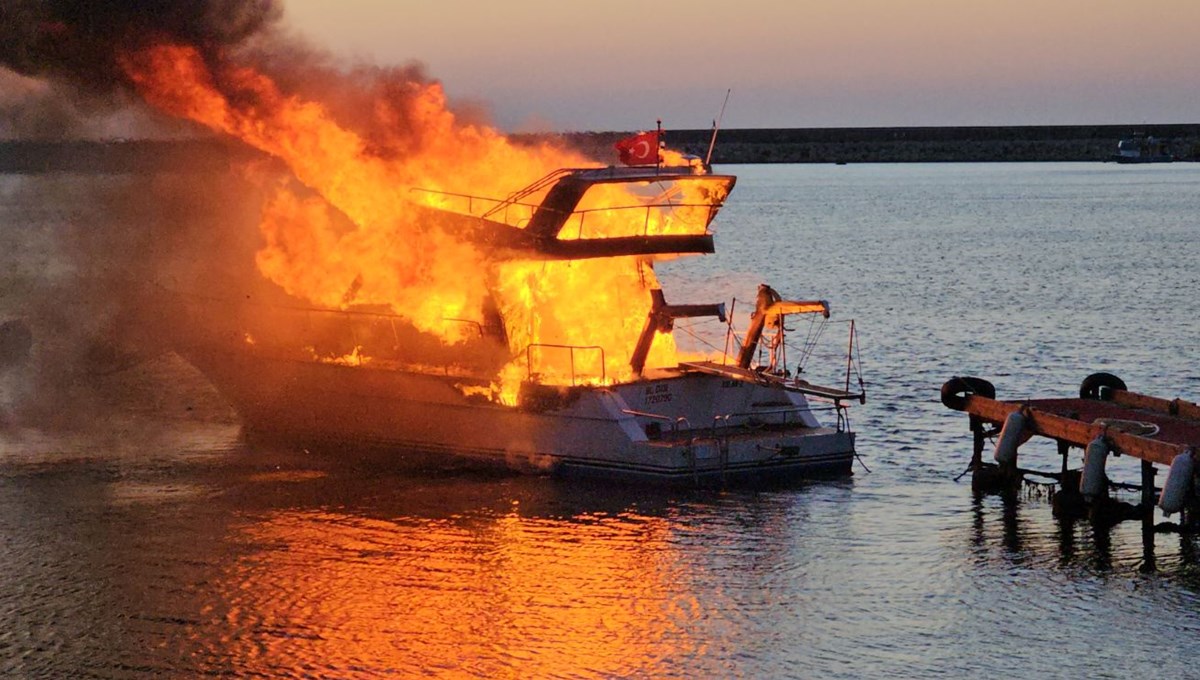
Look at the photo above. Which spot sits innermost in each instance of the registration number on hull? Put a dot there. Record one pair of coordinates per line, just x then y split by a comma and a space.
658, 394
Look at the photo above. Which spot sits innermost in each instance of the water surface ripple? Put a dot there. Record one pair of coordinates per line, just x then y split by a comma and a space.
164, 546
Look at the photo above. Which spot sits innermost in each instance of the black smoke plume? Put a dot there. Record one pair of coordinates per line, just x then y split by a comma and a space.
81, 42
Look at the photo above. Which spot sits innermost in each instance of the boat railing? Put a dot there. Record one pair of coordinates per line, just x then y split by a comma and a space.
843, 418
475, 206
677, 423
515, 197
649, 210
784, 413
720, 420
725, 421
571, 351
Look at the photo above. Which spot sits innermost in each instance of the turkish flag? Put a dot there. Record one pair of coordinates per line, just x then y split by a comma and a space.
640, 149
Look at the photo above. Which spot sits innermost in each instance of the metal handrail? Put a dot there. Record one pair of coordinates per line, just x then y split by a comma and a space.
785, 412
507, 203
472, 198
646, 414
648, 208
537, 185
843, 418
718, 418
572, 348
771, 412
674, 422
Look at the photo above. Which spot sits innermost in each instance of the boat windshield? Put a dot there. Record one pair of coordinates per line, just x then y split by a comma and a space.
653, 207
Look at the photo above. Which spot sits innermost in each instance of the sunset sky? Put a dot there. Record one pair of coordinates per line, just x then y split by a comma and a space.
619, 64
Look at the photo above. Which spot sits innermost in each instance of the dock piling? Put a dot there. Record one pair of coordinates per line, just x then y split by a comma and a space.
977, 431
1147, 508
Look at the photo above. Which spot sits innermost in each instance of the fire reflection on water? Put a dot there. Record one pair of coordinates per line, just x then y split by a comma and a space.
252, 562
472, 595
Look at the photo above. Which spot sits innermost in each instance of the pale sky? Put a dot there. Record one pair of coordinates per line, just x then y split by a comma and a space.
619, 64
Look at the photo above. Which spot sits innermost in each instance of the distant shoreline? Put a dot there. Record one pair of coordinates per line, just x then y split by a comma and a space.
1057, 143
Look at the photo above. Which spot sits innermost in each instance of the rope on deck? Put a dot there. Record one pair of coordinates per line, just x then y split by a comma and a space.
1134, 427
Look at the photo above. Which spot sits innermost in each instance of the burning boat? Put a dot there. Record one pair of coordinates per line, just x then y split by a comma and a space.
404, 295
501, 394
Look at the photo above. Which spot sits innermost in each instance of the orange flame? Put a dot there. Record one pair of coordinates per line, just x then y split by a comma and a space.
388, 254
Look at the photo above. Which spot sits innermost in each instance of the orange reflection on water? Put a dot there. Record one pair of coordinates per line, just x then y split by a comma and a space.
494, 596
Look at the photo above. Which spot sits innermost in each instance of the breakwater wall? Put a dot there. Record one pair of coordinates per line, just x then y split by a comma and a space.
31, 157
1090, 143
910, 145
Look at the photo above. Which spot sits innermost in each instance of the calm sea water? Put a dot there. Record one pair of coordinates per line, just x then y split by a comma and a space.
155, 543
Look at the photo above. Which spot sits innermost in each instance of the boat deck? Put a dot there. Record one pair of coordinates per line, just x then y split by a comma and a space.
764, 378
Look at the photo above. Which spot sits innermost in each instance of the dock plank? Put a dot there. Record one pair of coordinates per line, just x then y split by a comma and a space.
1079, 421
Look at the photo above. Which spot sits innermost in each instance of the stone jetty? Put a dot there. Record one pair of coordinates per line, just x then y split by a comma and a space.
1086, 143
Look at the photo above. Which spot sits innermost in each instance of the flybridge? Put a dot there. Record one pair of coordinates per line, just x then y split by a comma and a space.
590, 213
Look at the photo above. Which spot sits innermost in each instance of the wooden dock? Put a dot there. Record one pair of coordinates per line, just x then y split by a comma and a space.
1107, 419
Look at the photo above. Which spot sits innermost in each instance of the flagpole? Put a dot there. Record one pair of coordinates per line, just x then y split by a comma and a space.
716, 126
658, 140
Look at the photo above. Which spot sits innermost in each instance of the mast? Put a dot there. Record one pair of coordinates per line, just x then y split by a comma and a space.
716, 126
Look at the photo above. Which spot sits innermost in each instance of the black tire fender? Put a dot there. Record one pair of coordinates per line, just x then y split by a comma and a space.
956, 390
1093, 386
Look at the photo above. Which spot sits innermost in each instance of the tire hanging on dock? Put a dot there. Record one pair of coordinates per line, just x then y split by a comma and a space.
956, 390
1099, 386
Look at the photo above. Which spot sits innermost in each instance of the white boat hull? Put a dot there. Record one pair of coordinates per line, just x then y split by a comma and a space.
682, 427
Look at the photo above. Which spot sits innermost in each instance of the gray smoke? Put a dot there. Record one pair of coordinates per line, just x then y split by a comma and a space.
76, 250
78, 255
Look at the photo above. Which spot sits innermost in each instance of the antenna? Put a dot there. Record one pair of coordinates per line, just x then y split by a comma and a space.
717, 126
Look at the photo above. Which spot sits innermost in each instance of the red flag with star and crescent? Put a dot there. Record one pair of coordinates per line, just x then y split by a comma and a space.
640, 149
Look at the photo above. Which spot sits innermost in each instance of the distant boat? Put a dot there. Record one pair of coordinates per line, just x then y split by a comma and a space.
1143, 150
